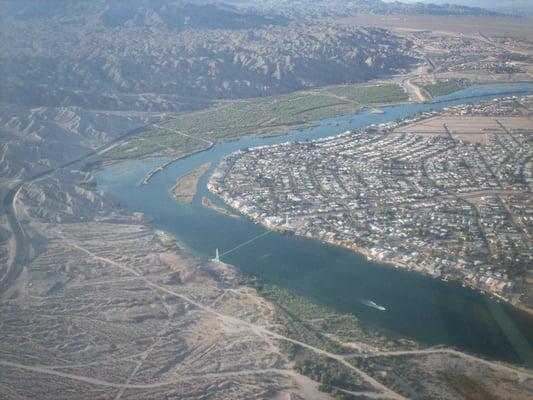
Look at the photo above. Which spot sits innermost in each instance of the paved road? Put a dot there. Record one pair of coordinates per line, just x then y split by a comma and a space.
22, 243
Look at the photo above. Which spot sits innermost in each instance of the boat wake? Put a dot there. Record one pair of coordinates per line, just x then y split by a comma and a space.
370, 303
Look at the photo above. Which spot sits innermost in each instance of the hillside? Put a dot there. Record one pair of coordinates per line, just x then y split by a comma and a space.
176, 55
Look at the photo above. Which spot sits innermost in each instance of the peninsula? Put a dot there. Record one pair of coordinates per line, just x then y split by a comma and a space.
444, 193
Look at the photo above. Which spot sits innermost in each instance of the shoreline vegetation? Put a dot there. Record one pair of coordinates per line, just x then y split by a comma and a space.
190, 133
320, 327
352, 247
443, 88
369, 350
127, 151
389, 92
187, 185
194, 132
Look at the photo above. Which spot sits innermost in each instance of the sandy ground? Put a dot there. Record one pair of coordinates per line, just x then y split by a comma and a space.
187, 185
494, 26
107, 308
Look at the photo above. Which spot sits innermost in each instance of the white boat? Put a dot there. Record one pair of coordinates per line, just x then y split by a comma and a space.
370, 303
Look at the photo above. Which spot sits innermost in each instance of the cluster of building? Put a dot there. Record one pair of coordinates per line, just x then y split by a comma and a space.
474, 53
436, 204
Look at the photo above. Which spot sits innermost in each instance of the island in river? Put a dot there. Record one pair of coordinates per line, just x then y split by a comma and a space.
187, 185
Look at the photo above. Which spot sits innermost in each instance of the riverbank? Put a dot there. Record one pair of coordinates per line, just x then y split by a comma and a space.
476, 91
154, 171
370, 254
273, 131
418, 307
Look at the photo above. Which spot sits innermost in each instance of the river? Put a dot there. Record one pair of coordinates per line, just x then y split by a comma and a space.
418, 307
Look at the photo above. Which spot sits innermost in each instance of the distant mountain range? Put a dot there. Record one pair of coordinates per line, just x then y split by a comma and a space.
507, 6
342, 7
173, 55
155, 55
176, 14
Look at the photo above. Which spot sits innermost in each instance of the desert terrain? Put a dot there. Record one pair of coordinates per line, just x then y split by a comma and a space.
96, 303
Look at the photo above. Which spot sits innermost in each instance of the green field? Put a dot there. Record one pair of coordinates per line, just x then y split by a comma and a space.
266, 116
366, 95
444, 88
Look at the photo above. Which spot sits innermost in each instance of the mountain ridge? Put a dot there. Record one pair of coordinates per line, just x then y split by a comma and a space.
85, 61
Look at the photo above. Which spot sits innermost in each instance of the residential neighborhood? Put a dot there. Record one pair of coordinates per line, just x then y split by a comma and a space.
447, 194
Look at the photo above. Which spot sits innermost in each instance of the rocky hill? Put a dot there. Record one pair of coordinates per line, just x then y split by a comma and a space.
35, 140
168, 55
77, 74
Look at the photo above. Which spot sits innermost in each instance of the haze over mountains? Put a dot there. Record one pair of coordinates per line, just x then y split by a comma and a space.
512, 6
66, 65
98, 54
77, 61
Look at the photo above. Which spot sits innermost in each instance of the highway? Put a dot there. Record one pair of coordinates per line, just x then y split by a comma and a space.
22, 245
22, 242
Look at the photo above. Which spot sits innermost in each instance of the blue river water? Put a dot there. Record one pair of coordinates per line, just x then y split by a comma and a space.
417, 307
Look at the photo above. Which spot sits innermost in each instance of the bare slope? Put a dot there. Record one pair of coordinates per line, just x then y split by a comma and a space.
150, 59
